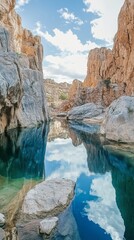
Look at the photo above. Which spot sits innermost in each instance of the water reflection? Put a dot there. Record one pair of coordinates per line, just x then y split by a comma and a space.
21, 166
103, 206
103, 200
22, 153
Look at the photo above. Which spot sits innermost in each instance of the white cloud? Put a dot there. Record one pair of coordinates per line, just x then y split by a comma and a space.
66, 67
105, 26
21, 3
70, 17
65, 41
72, 162
104, 211
71, 60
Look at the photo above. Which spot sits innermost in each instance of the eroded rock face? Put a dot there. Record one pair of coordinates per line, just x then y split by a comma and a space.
116, 65
22, 96
110, 73
119, 120
48, 198
21, 40
57, 95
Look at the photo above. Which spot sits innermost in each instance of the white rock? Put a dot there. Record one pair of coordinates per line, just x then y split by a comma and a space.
47, 225
88, 110
2, 220
118, 123
50, 196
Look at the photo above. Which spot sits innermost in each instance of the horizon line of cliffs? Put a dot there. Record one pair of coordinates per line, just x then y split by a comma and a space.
110, 73
22, 96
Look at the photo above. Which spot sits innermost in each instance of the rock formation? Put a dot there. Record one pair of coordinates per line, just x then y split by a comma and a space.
110, 73
73, 96
118, 124
88, 110
56, 93
22, 101
48, 198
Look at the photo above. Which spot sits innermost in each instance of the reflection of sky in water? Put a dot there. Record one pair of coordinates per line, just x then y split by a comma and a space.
104, 211
65, 160
94, 205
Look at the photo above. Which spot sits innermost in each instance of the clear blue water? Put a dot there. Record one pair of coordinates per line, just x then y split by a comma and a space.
103, 205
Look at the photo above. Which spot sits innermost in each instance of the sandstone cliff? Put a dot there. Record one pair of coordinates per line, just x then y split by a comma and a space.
110, 73
22, 101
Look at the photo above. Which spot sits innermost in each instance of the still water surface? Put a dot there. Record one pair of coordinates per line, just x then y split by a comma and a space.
103, 206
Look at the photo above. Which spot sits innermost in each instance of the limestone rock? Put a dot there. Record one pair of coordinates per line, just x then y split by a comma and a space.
23, 101
2, 220
48, 198
48, 225
119, 120
88, 110
21, 40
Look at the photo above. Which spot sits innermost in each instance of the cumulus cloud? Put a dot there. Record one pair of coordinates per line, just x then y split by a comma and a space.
105, 26
21, 3
65, 41
71, 60
105, 211
69, 16
66, 67
72, 162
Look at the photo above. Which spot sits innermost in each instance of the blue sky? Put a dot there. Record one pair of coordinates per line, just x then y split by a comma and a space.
69, 30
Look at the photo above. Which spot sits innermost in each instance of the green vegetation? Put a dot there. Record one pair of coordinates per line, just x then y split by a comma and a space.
63, 96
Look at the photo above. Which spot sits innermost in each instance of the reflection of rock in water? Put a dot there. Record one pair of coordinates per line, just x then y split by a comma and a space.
96, 156
66, 229
124, 187
21, 160
22, 153
58, 129
121, 157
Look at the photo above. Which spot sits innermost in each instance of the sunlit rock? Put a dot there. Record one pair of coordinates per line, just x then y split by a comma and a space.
88, 110
48, 197
118, 124
48, 225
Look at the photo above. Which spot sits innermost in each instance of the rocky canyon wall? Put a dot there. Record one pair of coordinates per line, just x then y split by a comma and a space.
22, 97
110, 73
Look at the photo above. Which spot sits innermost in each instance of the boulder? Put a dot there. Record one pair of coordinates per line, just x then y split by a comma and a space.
2, 220
2, 234
48, 198
88, 110
118, 124
48, 225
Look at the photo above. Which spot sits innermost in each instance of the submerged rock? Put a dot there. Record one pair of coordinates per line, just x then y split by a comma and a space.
48, 198
118, 124
88, 110
48, 225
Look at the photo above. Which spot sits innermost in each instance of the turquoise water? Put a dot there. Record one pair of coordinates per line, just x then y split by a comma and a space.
103, 206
